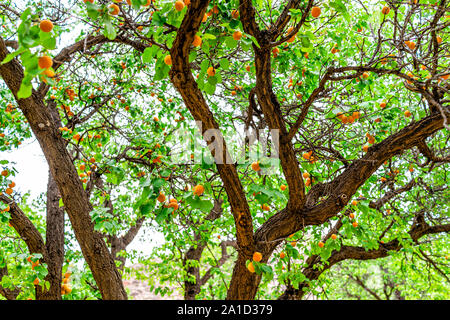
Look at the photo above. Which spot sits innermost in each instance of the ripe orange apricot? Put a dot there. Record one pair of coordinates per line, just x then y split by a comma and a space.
438, 39
5, 173
333, 236
307, 155
283, 187
168, 60
306, 175
365, 148
350, 119
355, 224
36, 281
315, 12
383, 105
49, 73
66, 288
365, 75
251, 267
275, 52
407, 113
179, 5
198, 190
307, 182
235, 14
257, 256
161, 197
255, 166
45, 62
320, 244
385, 10
114, 9
9, 191
354, 202
205, 17
210, 71
174, 205
282, 255
411, 45
351, 215
237, 35
197, 41
292, 39
46, 25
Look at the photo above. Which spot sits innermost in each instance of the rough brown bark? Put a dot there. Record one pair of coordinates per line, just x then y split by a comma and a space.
54, 244
183, 80
192, 286
194, 253
62, 169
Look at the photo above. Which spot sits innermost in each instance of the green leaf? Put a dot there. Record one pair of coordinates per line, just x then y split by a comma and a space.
158, 183
24, 91
162, 215
14, 54
210, 88
231, 43
147, 56
110, 30
146, 208
49, 43
207, 36
254, 41
197, 203
212, 80
116, 176
158, 19
225, 63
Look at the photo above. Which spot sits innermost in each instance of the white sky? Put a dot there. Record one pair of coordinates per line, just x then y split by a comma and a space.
32, 168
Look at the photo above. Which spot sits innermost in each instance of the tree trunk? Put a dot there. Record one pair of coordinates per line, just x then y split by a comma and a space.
76, 201
54, 243
192, 288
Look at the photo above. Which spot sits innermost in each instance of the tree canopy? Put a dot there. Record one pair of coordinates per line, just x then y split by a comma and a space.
285, 149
